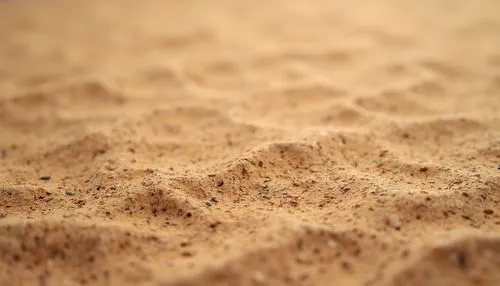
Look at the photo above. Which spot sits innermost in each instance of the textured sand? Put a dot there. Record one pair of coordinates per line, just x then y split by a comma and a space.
250, 142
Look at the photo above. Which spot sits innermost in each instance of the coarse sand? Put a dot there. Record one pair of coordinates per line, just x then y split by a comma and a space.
232, 142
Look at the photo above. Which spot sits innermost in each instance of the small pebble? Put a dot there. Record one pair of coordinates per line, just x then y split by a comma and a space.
332, 243
186, 254
304, 258
394, 221
45, 178
70, 193
220, 183
466, 217
488, 211
259, 277
2, 215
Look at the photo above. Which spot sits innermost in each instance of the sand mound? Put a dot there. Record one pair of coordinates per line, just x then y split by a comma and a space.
236, 143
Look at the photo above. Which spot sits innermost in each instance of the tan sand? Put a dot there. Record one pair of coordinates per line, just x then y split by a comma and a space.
249, 142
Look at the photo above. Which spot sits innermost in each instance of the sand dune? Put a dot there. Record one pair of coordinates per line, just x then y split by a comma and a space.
250, 143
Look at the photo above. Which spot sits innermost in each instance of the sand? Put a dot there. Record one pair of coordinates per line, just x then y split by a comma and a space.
249, 142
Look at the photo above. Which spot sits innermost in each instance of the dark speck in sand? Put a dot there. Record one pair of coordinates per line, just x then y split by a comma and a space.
461, 260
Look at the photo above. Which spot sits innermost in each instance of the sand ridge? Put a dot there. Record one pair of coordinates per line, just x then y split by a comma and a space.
229, 143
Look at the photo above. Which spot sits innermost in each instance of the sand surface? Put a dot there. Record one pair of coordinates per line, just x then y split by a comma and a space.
250, 142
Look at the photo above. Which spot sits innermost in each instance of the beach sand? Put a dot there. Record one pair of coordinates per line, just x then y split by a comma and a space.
250, 142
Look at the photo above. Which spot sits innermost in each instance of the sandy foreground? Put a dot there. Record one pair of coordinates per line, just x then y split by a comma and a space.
250, 142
